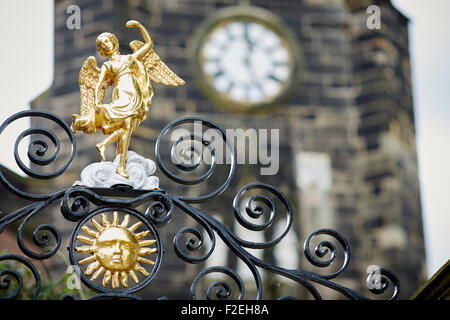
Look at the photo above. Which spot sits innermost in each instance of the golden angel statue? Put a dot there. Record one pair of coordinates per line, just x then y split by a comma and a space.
130, 74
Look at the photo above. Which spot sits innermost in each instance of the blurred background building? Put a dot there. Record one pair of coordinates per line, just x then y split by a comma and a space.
338, 91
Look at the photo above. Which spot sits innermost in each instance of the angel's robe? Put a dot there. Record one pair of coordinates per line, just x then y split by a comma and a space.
131, 95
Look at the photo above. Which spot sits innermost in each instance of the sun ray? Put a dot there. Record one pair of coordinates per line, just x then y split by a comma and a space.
145, 251
105, 221
97, 273
124, 278
145, 243
93, 266
106, 278
139, 268
85, 239
133, 276
89, 231
115, 219
88, 259
125, 221
115, 280
97, 225
143, 260
142, 234
135, 226
85, 249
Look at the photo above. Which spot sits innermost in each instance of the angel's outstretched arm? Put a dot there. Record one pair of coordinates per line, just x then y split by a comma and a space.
148, 41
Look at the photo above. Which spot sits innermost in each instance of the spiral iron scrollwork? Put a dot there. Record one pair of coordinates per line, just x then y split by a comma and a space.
378, 285
219, 289
41, 238
194, 243
6, 275
255, 211
160, 210
257, 207
37, 150
327, 247
189, 157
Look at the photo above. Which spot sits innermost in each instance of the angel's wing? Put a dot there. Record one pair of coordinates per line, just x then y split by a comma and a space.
89, 76
156, 68
88, 79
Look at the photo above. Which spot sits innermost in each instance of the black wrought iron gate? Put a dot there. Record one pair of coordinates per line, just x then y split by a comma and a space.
96, 209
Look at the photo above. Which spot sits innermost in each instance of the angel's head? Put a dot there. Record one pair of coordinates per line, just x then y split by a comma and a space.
107, 44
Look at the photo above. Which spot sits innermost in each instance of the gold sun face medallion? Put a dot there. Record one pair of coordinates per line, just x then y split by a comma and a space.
115, 250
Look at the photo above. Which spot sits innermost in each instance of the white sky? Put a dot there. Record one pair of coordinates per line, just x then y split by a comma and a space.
26, 64
429, 31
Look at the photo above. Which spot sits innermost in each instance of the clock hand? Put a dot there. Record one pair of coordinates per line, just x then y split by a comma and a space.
250, 43
273, 77
250, 46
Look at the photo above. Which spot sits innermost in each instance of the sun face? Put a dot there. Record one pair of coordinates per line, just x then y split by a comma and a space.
115, 250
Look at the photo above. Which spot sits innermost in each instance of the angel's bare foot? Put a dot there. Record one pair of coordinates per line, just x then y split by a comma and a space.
101, 149
120, 170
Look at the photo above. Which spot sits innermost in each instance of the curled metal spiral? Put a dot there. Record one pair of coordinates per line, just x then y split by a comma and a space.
195, 243
190, 158
219, 289
5, 283
41, 238
79, 207
37, 150
255, 211
189, 161
325, 247
378, 284
160, 210
5, 277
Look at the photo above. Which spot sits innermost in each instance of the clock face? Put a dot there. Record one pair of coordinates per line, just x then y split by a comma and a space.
245, 63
